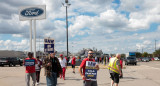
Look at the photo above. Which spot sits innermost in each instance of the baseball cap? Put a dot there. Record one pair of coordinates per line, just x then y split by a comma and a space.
61, 55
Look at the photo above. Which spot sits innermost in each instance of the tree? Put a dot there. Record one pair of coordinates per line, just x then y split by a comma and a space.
156, 53
145, 54
138, 54
123, 55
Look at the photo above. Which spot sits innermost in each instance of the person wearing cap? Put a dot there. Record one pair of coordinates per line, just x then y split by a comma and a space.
30, 63
38, 69
63, 63
73, 63
52, 69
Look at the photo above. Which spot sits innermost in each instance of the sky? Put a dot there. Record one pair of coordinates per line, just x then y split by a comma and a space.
113, 26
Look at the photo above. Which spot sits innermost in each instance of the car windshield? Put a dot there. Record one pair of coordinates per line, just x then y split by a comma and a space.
131, 58
144, 58
2, 58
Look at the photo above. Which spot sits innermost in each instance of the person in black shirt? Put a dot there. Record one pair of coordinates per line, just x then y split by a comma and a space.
52, 69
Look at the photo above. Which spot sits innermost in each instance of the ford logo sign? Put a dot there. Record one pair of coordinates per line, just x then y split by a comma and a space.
32, 12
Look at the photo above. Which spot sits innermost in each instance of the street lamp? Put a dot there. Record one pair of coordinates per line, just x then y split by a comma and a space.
66, 5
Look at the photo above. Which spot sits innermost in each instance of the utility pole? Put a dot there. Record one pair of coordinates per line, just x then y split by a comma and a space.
66, 5
155, 45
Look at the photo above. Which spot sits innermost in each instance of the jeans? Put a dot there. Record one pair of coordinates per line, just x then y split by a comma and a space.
33, 75
37, 76
52, 80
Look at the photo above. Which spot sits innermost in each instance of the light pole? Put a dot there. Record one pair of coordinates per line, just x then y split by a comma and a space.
66, 5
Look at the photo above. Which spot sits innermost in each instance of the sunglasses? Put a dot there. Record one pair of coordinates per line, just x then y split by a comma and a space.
91, 53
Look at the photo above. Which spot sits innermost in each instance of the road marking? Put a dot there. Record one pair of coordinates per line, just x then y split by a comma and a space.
151, 67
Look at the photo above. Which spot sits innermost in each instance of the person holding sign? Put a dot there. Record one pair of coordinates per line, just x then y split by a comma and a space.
30, 63
90, 68
52, 69
115, 69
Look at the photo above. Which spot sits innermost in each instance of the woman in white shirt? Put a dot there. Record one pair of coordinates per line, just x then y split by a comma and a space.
63, 63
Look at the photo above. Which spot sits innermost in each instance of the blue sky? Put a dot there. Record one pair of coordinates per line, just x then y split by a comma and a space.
113, 26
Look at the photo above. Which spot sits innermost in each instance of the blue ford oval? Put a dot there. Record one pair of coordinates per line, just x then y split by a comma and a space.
32, 12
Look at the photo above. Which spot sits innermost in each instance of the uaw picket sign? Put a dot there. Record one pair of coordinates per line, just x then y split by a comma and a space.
30, 62
49, 45
91, 71
32, 12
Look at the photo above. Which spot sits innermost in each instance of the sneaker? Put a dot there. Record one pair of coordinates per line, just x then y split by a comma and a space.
63, 78
37, 83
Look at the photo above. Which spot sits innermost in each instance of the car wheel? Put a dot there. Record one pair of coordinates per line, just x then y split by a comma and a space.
20, 64
10, 64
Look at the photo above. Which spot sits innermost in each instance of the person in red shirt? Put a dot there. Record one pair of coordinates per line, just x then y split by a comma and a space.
83, 65
30, 63
73, 63
121, 64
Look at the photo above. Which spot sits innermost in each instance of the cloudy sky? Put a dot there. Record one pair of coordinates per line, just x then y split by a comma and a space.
113, 26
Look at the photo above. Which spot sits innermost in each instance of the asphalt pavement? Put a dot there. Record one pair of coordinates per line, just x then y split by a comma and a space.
144, 74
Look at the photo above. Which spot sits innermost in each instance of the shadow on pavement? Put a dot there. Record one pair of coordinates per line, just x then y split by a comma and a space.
128, 78
71, 78
46, 84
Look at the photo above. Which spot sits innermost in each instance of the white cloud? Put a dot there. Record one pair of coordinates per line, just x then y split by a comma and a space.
147, 42
17, 35
159, 28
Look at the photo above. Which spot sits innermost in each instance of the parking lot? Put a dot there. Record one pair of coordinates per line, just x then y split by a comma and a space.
144, 74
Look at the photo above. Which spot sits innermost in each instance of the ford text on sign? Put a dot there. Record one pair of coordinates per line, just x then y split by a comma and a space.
32, 12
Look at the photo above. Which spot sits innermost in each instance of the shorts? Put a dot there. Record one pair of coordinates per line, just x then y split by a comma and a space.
115, 77
90, 83
73, 66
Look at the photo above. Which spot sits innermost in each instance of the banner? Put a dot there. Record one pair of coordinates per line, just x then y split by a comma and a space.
91, 71
29, 62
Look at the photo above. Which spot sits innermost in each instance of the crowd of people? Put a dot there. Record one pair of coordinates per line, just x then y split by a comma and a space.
56, 67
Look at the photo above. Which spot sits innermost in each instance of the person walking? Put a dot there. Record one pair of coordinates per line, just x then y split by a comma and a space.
38, 69
52, 69
73, 63
29, 63
63, 63
121, 64
114, 69
83, 66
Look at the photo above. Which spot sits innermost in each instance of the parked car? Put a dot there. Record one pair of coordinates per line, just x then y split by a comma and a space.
156, 58
145, 59
131, 60
11, 61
